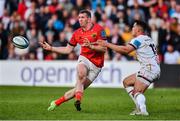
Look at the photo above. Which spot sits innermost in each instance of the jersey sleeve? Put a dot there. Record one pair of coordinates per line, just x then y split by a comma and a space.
135, 43
73, 41
102, 34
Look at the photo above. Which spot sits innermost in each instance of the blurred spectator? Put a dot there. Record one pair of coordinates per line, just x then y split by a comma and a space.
3, 42
11, 5
61, 42
32, 55
11, 52
57, 24
161, 8
96, 3
107, 24
115, 38
21, 53
44, 16
166, 36
5, 19
2, 6
68, 31
31, 10
113, 15
22, 9
73, 20
122, 19
33, 35
68, 5
50, 37
108, 8
136, 13
14, 18
72, 56
121, 5
16, 28
171, 56
131, 3
49, 27
53, 6
64, 17
172, 8
154, 19
98, 13
126, 34
154, 33
41, 3
39, 52
176, 14
51, 56
177, 38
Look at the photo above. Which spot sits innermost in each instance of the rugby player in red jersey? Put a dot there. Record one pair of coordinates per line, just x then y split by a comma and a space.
90, 61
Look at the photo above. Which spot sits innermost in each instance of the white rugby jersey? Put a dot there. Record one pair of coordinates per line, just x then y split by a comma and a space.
146, 50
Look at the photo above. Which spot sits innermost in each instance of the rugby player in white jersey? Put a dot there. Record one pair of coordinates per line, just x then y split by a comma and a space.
137, 83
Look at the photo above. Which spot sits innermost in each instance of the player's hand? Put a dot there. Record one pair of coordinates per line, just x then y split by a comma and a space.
45, 45
86, 42
101, 43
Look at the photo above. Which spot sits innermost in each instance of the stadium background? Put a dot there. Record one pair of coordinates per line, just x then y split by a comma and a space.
54, 21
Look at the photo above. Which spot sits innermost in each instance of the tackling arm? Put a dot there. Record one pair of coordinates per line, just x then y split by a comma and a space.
120, 49
94, 46
98, 48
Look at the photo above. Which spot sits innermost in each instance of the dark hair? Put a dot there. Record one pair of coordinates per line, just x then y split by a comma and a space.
88, 13
142, 24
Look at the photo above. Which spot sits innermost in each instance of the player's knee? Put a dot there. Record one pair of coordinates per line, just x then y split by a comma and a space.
81, 77
137, 91
125, 83
82, 73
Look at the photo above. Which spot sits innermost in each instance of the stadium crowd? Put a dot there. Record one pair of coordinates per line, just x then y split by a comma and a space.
55, 20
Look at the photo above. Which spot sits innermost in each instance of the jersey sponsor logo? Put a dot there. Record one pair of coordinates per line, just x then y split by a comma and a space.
137, 43
94, 35
103, 34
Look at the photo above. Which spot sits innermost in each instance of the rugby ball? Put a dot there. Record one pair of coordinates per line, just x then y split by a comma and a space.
20, 42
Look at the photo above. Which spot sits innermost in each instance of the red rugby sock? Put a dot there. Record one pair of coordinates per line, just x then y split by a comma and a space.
78, 95
60, 100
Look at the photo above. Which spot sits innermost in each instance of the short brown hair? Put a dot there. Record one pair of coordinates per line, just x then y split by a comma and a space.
87, 12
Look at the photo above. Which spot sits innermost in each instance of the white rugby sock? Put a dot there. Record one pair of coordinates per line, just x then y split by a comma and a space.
141, 101
130, 91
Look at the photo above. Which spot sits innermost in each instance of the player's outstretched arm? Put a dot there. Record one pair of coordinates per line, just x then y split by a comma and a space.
120, 49
61, 50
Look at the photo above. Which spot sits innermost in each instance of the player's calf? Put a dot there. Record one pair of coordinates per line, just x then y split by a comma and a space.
140, 98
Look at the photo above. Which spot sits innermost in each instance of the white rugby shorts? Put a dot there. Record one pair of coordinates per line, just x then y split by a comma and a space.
147, 75
93, 70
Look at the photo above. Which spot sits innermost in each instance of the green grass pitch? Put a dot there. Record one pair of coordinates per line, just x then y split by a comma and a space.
31, 103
